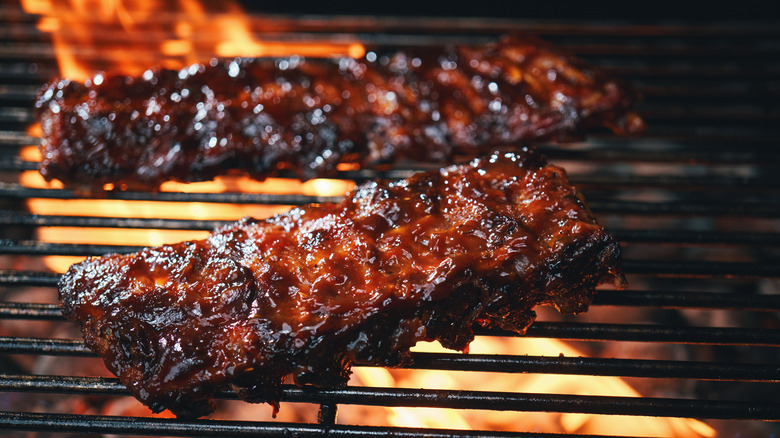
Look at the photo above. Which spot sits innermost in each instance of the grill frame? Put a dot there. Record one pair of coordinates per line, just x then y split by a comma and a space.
708, 136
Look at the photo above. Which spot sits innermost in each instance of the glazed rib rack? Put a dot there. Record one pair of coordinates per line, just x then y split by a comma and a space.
695, 204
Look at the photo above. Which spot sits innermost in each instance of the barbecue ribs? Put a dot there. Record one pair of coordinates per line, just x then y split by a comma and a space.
308, 115
314, 290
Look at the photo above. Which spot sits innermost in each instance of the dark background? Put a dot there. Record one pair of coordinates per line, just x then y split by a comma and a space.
539, 9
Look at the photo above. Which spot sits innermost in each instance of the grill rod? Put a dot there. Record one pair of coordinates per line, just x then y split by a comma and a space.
639, 368
482, 400
701, 207
44, 279
540, 329
609, 181
160, 426
13, 218
678, 268
628, 298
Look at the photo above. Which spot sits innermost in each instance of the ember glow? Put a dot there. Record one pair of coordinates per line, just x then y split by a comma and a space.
91, 36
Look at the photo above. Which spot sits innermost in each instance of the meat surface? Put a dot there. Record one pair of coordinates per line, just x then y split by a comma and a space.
312, 291
257, 116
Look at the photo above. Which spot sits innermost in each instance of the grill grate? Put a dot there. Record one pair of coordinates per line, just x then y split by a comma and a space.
695, 204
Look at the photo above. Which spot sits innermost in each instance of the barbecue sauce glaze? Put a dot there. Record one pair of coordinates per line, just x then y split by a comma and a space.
257, 116
309, 292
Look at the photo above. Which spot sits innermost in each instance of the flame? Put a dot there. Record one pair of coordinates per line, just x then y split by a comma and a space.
130, 36
530, 383
156, 209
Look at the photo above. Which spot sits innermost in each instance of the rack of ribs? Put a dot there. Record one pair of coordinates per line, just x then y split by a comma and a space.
309, 292
258, 116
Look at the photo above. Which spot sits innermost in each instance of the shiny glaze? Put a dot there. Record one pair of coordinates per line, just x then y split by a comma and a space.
257, 116
311, 291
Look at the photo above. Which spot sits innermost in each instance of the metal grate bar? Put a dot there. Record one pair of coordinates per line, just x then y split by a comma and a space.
752, 150
679, 237
663, 87
667, 83
15, 139
725, 131
30, 311
700, 207
653, 333
20, 218
678, 183
597, 367
201, 428
678, 268
530, 402
53, 347
510, 364
19, 191
16, 164
698, 75
685, 114
690, 237
28, 278
603, 181
739, 28
675, 236
689, 300
657, 299
667, 49
45, 248
698, 269
503, 401
570, 331
706, 80
655, 113
16, 115
701, 89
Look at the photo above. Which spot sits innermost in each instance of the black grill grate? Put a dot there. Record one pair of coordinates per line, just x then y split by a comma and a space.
695, 203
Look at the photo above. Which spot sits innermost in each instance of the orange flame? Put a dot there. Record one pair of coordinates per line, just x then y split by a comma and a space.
531, 383
156, 209
130, 36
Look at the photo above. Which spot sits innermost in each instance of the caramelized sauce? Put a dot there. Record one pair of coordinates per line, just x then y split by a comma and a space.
314, 290
256, 116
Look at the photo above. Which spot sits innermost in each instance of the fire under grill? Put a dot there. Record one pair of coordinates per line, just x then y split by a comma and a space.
695, 203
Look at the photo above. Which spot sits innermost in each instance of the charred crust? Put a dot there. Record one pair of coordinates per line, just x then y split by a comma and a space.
137, 132
311, 292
